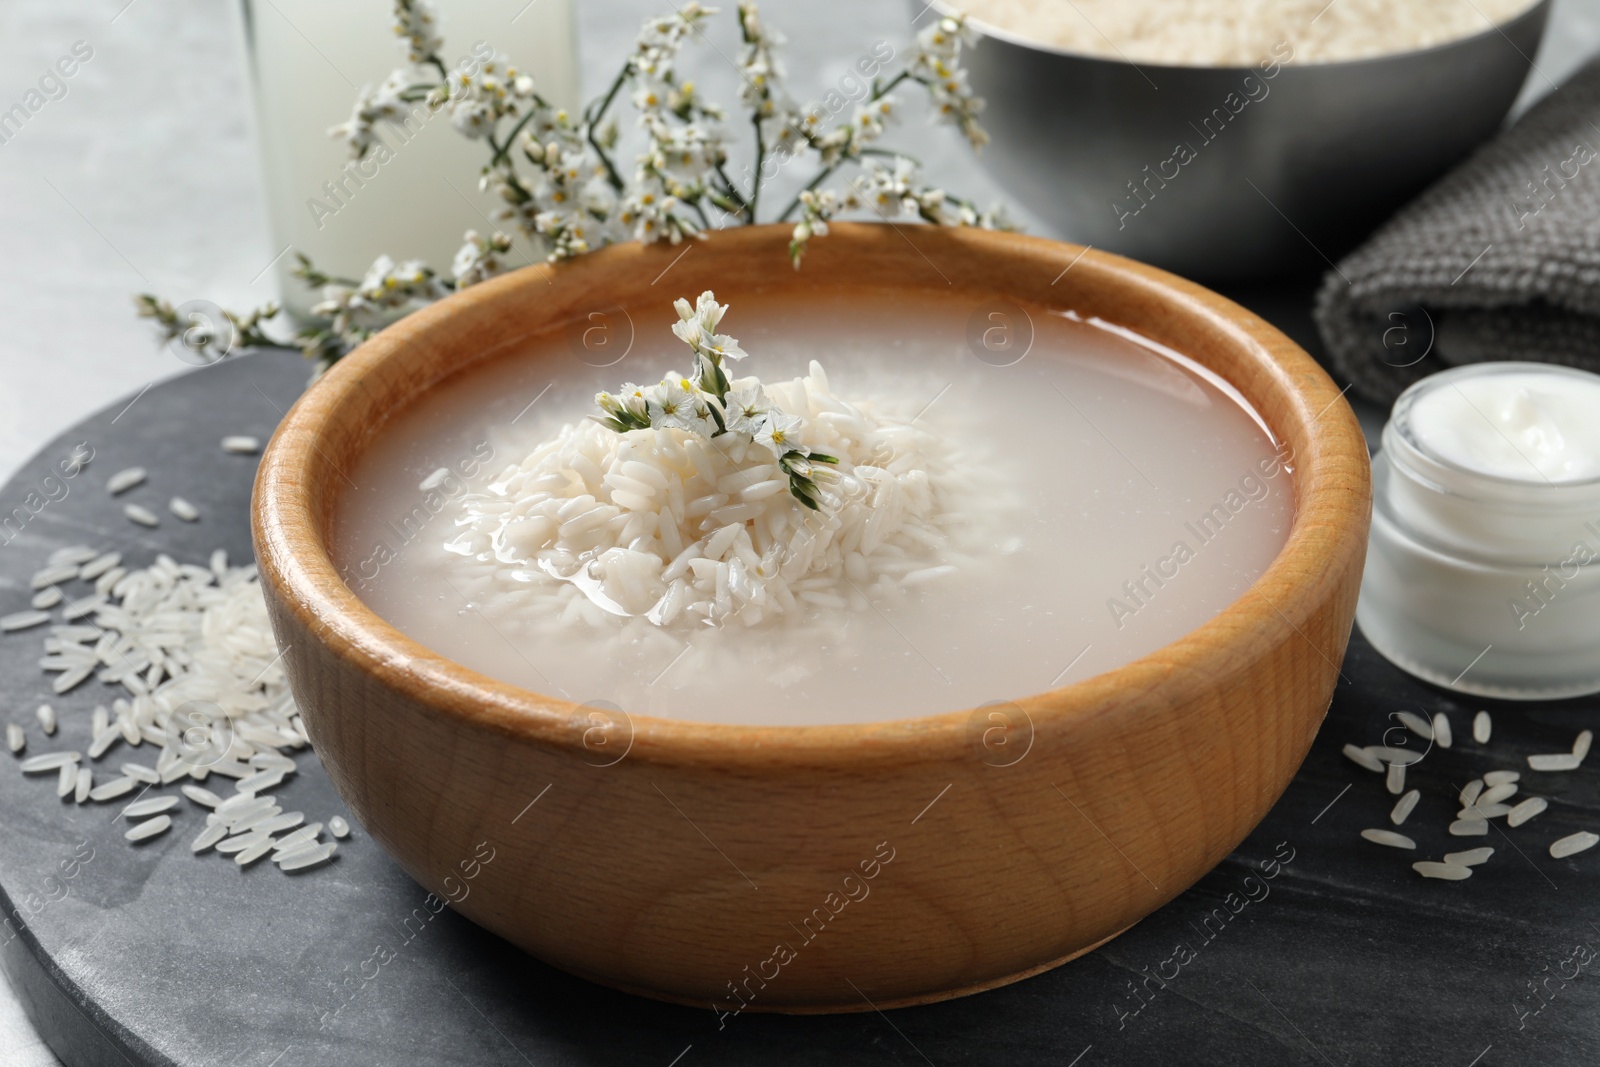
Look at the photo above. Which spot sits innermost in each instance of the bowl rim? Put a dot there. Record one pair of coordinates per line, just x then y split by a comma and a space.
1539, 9
297, 570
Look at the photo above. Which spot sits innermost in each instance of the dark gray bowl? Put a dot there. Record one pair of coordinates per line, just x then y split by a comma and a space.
1315, 157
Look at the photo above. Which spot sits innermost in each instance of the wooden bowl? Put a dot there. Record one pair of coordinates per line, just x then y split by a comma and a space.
820, 868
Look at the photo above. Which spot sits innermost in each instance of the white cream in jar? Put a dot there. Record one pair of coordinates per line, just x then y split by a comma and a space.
1483, 571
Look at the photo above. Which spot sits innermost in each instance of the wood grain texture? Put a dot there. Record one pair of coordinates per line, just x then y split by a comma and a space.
689, 868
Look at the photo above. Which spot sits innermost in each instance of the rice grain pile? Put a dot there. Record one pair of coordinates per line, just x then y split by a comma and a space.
1242, 33
663, 525
1480, 800
191, 650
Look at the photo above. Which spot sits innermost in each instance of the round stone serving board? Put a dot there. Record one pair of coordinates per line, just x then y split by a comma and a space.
136, 955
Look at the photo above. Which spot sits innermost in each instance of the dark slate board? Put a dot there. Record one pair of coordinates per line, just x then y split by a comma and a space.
153, 956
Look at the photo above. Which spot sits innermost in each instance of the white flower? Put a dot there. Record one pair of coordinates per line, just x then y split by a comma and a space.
745, 406
684, 155
661, 39
936, 64
705, 313
653, 212
816, 208
696, 327
479, 99
890, 190
677, 404
416, 22
480, 258
472, 118
780, 433
371, 107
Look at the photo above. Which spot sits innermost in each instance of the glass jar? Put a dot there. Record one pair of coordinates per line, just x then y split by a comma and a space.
1483, 569
308, 61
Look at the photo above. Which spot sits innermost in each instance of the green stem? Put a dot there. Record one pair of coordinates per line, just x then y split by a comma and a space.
761, 155
592, 122
731, 191
511, 138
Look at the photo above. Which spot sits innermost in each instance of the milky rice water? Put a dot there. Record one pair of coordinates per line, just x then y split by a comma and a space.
1030, 522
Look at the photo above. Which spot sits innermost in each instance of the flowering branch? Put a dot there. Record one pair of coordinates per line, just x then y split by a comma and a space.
558, 183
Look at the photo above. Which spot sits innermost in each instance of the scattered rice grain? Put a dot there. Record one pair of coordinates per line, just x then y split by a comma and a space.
1361, 756
204, 797
103, 741
303, 858
1555, 761
1526, 810
1573, 844
1442, 734
113, 789
1416, 724
141, 514
149, 828
260, 780
183, 509
253, 853
1496, 793
155, 805
306, 835
1389, 838
124, 480
1482, 727
49, 576
140, 773
240, 842
208, 837
99, 565
1450, 872
1471, 857
1404, 807
48, 761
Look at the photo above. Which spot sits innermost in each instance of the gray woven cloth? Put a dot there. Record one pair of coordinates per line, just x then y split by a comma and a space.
1500, 259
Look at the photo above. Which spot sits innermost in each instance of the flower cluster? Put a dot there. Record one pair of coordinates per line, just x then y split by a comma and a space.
356, 312
207, 339
391, 101
418, 25
854, 138
479, 98
480, 258
707, 404
937, 65
557, 179
762, 90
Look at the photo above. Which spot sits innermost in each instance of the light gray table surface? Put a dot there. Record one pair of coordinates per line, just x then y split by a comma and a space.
145, 176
